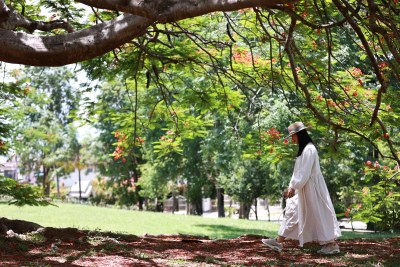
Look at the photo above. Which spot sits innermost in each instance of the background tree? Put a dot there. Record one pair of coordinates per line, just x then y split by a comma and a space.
41, 124
12, 190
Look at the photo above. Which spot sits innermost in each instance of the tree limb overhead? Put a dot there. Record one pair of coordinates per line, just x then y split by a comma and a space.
22, 48
173, 10
28, 49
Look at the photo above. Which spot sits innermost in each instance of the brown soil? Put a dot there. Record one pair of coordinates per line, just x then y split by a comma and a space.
73, 247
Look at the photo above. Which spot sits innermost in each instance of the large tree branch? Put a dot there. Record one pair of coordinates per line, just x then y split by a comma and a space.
4, 11
74, 47
174, 10
22, 48
11, 19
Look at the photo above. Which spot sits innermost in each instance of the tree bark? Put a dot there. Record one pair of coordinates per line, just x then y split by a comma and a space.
267, 208
196, 206
165, 11
59, 50
28, 49
255, 209
244, 210
220, 202
46, 182
58, 185
18, 226
80, 184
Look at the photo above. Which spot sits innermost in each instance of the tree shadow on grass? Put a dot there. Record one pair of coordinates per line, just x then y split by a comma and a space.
226, 232
367, 235
64, 248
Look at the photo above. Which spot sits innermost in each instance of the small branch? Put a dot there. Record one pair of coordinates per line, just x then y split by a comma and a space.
319, 115
290, 33
314, 26
389, 141
344, 10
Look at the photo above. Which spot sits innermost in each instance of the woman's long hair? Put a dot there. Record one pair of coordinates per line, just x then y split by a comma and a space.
304, 139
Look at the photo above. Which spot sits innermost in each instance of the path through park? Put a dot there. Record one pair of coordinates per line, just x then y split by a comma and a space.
73, 247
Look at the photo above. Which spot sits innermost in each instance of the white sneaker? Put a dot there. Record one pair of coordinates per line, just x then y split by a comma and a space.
273, 244
329, 249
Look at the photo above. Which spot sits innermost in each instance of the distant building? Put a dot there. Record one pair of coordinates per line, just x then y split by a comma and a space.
72, 181
9, 167
87, 174
86, 190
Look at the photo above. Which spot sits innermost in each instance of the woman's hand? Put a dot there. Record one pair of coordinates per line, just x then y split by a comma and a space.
290, 192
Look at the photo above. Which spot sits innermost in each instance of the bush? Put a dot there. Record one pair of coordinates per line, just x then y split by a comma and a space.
21, 194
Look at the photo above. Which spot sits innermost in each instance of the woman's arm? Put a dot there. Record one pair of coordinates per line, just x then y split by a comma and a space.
303, 169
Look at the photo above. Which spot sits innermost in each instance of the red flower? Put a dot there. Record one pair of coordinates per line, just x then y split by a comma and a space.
377, 165
140, 139
383, 64
356, 72
347, 212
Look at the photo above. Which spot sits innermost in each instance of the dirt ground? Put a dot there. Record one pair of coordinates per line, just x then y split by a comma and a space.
73, 247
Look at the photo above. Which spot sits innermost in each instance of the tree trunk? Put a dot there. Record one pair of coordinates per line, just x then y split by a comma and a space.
267, 208
18, 226
58, 185
159, 205
196, 206
255, 209
140, 198
79, 180
175, 203
136, 175
45, 182
220, 203
244, 210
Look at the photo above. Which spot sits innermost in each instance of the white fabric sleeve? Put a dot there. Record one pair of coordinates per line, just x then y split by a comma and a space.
303, 169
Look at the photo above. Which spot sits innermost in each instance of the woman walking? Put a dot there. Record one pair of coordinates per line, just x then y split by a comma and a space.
309, 215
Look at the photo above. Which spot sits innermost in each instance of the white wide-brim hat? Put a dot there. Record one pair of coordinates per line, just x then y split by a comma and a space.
295, 128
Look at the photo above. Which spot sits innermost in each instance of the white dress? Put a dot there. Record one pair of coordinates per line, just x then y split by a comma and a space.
309, 215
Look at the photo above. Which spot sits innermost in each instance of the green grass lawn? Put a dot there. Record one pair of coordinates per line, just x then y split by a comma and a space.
87, 217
